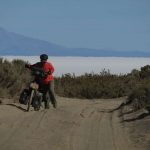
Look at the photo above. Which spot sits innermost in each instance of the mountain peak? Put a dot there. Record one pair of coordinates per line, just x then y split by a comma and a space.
16, 44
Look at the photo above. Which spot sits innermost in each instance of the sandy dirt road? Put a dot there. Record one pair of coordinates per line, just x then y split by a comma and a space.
75, 125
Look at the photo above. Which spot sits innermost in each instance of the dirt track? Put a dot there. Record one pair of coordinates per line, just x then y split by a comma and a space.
75, 125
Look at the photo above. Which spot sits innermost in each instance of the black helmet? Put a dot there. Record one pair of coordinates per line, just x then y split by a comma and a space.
43, 57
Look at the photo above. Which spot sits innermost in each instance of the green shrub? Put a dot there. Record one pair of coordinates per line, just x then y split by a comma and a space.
145, 71
140, 97
91, 86
13, 77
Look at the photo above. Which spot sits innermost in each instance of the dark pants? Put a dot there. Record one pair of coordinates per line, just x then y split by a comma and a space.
49, 89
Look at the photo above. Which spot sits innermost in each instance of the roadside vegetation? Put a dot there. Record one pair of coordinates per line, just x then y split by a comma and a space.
13, 78
140, 95
135, 85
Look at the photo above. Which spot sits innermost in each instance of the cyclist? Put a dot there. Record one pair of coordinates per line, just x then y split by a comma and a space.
47, 82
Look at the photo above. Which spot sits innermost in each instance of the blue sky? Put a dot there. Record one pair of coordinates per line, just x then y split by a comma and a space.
101, 24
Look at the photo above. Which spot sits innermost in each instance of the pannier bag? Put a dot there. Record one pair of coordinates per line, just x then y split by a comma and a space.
24, 97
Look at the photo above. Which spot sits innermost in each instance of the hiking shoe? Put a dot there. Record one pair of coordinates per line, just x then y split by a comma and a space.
55, 105
47, 105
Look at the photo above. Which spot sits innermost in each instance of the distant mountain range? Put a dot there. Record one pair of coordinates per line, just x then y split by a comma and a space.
16, 44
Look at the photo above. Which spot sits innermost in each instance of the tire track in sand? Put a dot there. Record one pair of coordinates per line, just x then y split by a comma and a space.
99, 131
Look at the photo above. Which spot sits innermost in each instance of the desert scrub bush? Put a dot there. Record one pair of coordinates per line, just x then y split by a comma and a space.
13, 77
145, 72
140, 97
103, 85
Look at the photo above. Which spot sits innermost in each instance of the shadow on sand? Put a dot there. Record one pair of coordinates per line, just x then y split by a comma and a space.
141, 116
19, 107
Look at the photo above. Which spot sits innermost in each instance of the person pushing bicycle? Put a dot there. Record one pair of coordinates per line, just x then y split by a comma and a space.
47, 81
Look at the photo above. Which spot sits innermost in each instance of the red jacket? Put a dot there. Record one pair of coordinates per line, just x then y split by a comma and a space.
47, 67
